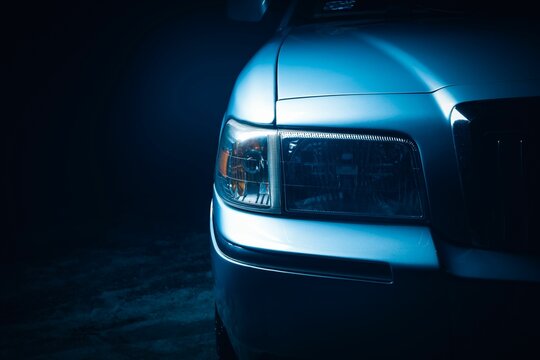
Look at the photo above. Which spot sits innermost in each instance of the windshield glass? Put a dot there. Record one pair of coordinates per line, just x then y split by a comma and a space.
321, 10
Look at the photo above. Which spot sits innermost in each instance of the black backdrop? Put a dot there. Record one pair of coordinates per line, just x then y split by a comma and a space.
116, 108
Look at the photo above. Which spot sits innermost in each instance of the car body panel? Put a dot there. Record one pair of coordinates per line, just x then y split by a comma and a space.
254, 94
398, 245
424, 313
403, 57
321, 316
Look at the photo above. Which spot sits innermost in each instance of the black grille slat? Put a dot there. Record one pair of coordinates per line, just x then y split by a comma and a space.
498, 158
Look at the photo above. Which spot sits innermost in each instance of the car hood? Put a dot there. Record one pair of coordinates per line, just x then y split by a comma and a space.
404, 57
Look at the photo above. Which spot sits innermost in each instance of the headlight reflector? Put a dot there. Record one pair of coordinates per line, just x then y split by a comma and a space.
351, 174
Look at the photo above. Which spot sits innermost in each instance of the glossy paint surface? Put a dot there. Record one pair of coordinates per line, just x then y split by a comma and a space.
403, 57
254, 94
407, 246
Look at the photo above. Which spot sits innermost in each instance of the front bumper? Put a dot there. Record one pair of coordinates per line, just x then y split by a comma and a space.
313, 289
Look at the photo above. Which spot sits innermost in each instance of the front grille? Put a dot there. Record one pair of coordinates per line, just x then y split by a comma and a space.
498, 157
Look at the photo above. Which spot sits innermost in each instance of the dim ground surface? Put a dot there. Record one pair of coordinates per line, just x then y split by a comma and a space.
149, 297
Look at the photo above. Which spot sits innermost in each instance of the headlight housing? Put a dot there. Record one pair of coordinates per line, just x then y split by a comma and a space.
351, 174
367, 175
246, 167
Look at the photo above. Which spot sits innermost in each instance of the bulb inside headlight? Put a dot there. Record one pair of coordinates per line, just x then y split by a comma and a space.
246, 167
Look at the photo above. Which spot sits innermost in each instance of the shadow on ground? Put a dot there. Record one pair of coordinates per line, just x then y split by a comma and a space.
150, 299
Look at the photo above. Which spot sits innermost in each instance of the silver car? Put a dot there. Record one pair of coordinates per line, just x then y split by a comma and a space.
375, 181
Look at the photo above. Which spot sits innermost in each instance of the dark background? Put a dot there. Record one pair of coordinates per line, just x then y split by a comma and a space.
116, 114
113, 117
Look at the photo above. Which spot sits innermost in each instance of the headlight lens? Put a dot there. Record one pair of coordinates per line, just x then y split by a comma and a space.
351, 174
323, 173
246, 167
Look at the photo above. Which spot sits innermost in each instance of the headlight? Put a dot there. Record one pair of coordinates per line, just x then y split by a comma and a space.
351, 174
246, 167
322, 173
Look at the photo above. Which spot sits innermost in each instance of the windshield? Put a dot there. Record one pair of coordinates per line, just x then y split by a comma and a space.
321, 10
